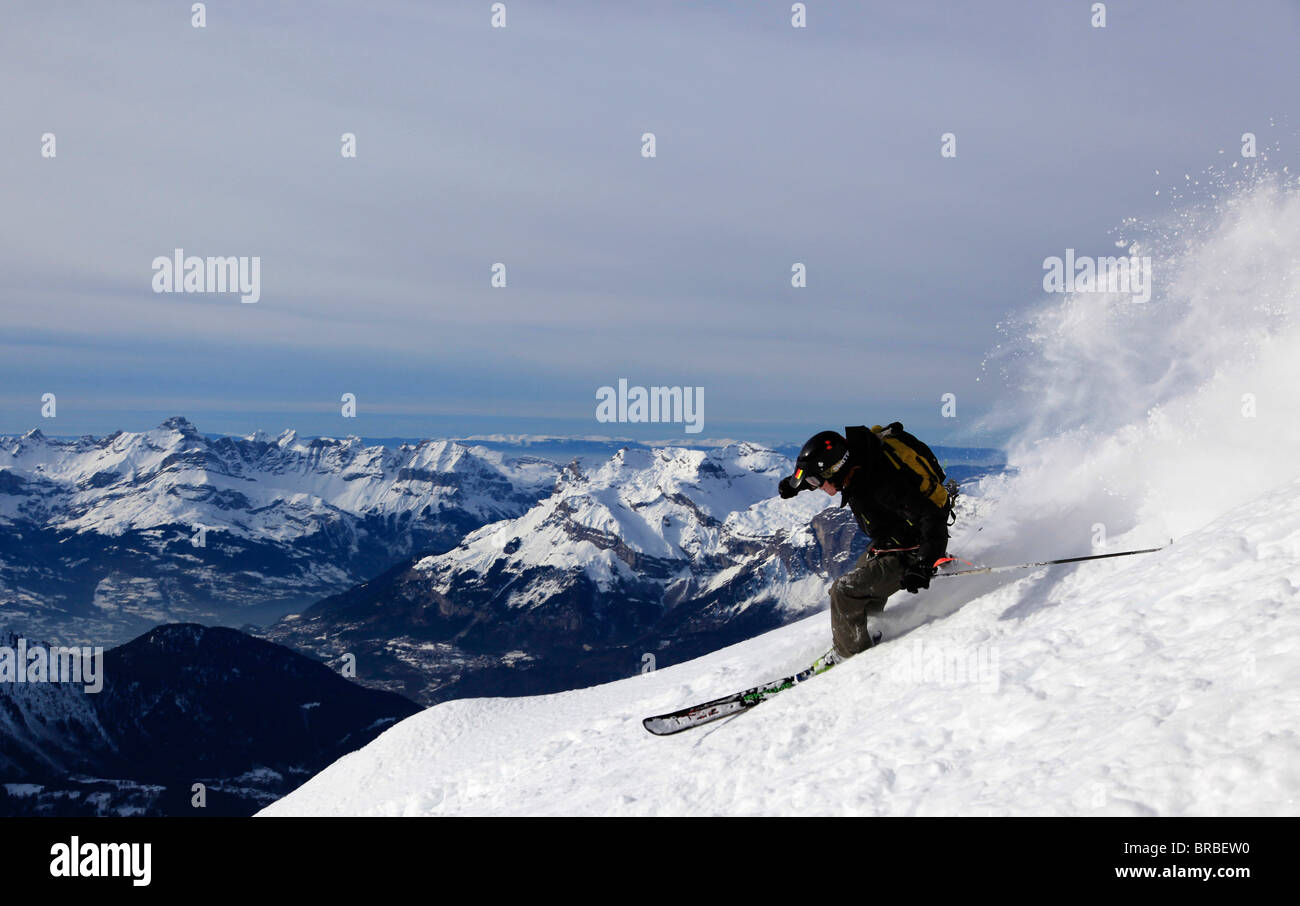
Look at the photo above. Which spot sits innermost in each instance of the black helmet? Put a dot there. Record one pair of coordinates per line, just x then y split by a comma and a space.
821, 458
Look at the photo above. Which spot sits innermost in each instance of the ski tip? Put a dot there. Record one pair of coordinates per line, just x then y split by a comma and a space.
661, 727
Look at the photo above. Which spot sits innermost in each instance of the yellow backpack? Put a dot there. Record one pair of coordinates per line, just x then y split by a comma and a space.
906, 453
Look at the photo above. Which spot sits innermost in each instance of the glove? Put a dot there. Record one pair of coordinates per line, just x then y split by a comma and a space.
917, 577
786, 488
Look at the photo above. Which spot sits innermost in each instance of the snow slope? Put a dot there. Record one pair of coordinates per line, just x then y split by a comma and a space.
1164, 684
1168, 684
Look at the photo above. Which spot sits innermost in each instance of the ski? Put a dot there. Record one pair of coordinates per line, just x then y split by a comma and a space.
695, 715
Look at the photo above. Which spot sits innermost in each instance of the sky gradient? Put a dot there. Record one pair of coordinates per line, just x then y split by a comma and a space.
522, 145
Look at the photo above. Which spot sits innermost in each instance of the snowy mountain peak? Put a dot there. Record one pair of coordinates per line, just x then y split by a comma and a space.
181, 425
659, 525
233, 519
673, 548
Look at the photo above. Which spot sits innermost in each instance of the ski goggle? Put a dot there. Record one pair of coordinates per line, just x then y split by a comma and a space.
811, 481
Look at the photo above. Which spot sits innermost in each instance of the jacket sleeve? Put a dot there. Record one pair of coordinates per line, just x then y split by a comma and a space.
933, 525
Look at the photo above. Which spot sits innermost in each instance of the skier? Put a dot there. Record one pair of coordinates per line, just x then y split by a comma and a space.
895, 488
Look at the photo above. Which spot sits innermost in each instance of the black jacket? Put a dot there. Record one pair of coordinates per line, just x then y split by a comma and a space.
887, 502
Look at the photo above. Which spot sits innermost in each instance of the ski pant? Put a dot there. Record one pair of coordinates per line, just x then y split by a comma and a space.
861, 592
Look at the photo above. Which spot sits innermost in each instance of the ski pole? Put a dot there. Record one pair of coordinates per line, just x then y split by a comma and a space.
998, 569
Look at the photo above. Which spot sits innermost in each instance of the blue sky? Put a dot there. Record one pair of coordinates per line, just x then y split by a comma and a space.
522, 145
